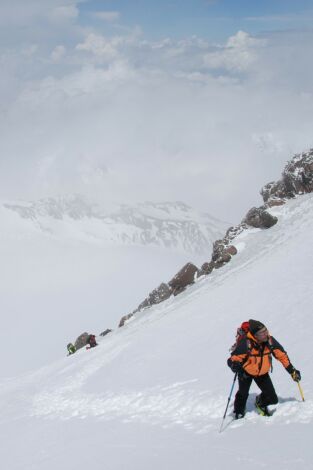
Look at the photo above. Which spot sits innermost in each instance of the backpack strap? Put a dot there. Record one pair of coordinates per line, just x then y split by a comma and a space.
249, 348
271, 348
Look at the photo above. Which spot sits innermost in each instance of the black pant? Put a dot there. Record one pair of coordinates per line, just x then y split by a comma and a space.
264, 382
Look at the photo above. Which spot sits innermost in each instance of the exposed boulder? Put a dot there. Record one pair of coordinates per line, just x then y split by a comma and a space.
82, 340
234, 231
297, 178
298, 174
206, 268
274, 190
258, 217
225, 258
105, 332
161, 293
124, 319
143, 305
231, 250
183, 278
222, 252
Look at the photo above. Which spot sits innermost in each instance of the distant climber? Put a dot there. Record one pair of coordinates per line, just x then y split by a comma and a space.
91, 341
71, 349
251, 359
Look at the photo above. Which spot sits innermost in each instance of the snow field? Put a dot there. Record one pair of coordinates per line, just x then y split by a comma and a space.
153, 393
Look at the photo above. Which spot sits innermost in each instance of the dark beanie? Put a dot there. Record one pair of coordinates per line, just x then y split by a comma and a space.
255, 326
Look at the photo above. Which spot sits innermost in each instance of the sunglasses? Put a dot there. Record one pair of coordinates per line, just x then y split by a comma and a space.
261, 333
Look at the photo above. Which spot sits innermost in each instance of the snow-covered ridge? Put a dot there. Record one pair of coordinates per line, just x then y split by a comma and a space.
172, 225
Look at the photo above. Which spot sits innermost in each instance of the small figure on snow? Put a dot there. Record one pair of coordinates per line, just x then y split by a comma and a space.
91, 342
71, 349
251, 359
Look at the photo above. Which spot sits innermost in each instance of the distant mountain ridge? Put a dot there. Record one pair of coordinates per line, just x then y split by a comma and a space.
172, 225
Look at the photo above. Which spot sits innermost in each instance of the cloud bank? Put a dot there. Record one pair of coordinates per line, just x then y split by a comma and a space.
120, 117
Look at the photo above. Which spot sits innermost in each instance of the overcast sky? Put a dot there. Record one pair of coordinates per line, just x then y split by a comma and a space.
195, 100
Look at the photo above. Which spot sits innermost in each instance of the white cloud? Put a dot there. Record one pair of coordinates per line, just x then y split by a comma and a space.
239, 53
58, 52
134, 119
109, 16
100, 46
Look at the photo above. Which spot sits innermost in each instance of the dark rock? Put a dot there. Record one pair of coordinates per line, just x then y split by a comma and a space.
163, 292
222, 252
143, 305
218, 248
258, 217
183, 278
222, 260
274, 190
124, 319
234, 231
178, 290
105, 332
82, 340
297, 178
298, 174
231, 250
206, 268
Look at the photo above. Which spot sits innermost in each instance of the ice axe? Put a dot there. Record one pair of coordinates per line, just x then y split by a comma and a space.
300, 390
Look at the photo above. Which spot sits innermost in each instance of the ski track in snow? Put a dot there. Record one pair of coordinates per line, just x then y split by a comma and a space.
164, 406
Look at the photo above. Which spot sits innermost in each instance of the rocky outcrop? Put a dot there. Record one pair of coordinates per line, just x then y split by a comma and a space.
298, 174
234, 231
206, 268
258, 217
82, 340
161, 293
222, 252
105, 332
124, 319
184, 278
274, 193
297, 178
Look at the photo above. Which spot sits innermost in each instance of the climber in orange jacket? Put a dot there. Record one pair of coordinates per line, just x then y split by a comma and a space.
251, 358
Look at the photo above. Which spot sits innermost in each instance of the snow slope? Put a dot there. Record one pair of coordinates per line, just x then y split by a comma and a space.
69, 265
153, 393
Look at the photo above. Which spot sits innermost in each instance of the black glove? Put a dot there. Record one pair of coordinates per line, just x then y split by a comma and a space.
296, 375
236, 367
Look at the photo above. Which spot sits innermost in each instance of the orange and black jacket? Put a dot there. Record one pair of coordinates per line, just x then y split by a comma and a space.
256, 358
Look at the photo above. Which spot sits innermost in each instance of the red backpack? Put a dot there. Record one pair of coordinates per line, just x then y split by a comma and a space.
242, 331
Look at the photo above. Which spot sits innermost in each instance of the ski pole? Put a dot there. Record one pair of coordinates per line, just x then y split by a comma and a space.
228, 401
300, 390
